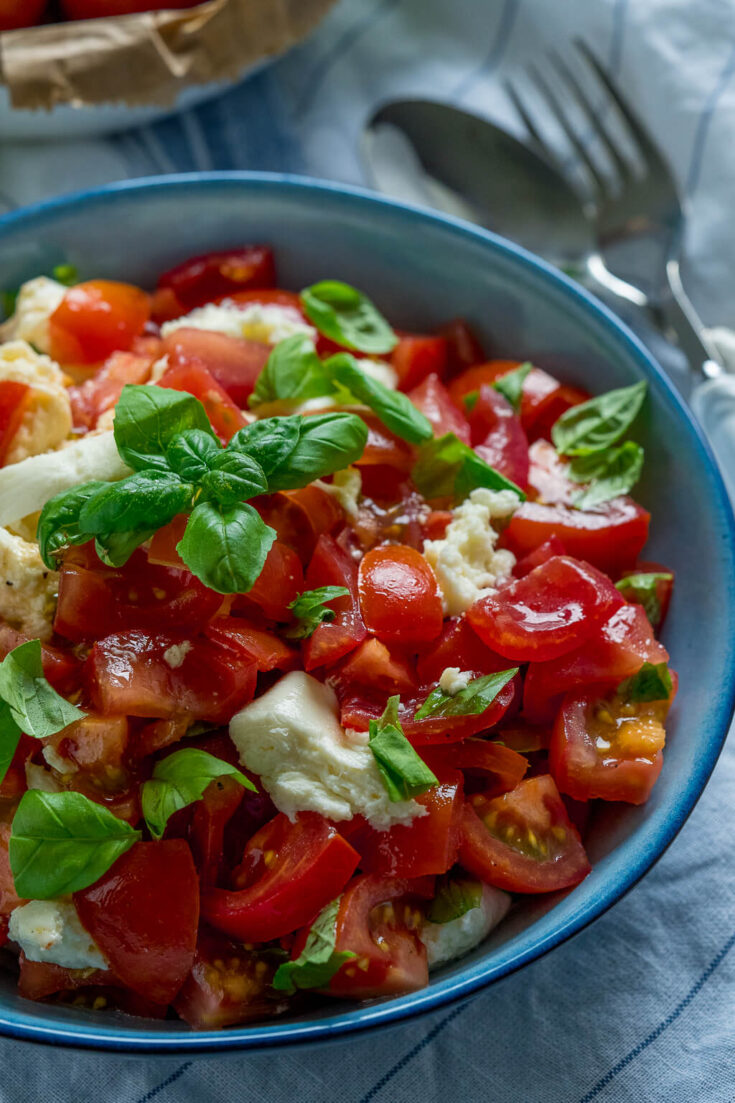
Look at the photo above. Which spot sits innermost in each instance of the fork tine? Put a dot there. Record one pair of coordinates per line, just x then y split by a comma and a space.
594, 119
648, 150
527, 118
561, 117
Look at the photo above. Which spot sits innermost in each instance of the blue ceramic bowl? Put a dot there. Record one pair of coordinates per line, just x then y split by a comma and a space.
422, 270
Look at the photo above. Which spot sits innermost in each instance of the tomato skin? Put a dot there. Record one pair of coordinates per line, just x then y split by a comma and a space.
204, 278
547, 613
20, 13
500, 767
431, 397
416, 358
463, 347
399, 595
458, 645
143, 914
312, 864
279, 583
62, 668
40, 979
210, 817
265, 649
331, 565
610, 538
372, 664
91, 399
9, 898
96, 318
13, 401
542, 554
498, 436
222, 412
384, 448
300, 517
534, 806
233, 362
96, 744
663, 590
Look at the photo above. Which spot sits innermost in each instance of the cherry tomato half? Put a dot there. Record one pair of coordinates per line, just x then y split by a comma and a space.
399, 595
96, 318
431, 397
205, 278
13, 403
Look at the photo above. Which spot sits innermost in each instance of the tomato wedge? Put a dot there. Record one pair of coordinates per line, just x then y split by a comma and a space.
143, 914
13, 398
414, 358
210, 817
289, 872
278, 584
266, 650
372, 664
97, 395
498, 435
431, 397
523, 841
459, 645
300, 517
547, 613
233, 362
500, 767
204, 278
222, 412
331, 565
399, 595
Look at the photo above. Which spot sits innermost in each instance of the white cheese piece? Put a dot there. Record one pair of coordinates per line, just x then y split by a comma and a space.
37, 300
453, 680
380, 371
27, 587
158, 369
58, 762
266, 322
292, 739
175, 654
446, 941
38, 777
26, 487
51, 930
47, 419
466, 562
346, 487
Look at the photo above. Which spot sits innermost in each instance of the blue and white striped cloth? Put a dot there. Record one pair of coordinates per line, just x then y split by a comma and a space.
641, 1006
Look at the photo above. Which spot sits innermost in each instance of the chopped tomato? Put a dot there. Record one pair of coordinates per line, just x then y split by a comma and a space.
500, 767
498, 436
210, 817
62, 668
162, 548
463, 347
551, 407
158, 734
96, 744
399, 595
13, 404
372, 664
547, 613
300, 517
548, 475
606, 747
143, 914
97, 395
610, 537
20, 13
331, 565
95, 319
523, 841
40, 979
289, 872
431, 397
415, 358
459, 646
655, 601
278, 584
9, 898
166, 675
222, 412
542, 554
204, 278
233, 362
165, 307
266, 650
384, 448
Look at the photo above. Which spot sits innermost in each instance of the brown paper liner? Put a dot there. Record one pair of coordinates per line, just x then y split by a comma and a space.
149, 58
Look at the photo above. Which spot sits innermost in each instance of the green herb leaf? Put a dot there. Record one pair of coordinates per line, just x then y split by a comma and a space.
510, 385
455, 896
470, 701
181, 779
651, 683
404, 773
310, 610
192, 453
63, 842
147, 419
448, 468
347, 317
115, 548
598, 423
148, 499
293, 373
395, 410
318, 961
642, 587
34, 705
66, 274
58, 526
270, 441
234, 477
226, 547
610, 473
327, 443
10, 735
470, 401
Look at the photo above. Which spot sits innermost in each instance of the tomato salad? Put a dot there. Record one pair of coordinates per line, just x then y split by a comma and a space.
319, 640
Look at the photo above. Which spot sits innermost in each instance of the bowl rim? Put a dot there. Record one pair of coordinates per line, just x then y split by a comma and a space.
33, 1027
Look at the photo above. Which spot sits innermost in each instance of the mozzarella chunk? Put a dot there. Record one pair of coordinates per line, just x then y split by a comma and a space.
26, 487
175, 654
453, 680
346, 487
51, 930
37, 300
266, 322
380, 372
466, 562
27, 587
291, 738
446, 941
47, 418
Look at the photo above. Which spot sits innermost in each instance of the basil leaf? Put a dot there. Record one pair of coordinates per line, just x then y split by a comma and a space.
10, 735
642, 588
347, 317
470, 401
310, 610
470, 701
404, 774
610, 474
181, 779
34, 705
271, 441
148, 499
510, 385
318, 961
651, 683
327, 443
395, 410
226, 547
598, 423
66, 274
234, 477
58, 525
115, 548
449, 468
147, 419
192, 453
63, 842
455, 896
293, 373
